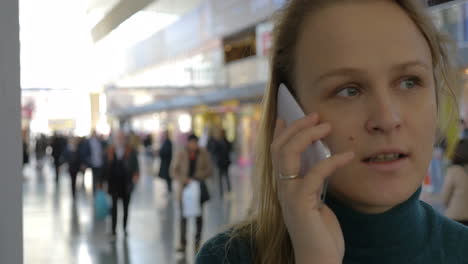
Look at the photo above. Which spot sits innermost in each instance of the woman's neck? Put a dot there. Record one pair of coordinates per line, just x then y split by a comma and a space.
401, 229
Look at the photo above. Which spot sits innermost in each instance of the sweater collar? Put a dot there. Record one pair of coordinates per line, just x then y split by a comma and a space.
401, 231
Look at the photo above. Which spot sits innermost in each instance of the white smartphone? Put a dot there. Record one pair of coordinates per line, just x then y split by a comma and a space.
288, 110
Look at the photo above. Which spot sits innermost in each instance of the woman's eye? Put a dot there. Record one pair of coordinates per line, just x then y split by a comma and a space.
349, 92
409, 83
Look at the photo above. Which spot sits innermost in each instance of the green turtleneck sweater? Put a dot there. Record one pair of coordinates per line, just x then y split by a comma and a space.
412, 232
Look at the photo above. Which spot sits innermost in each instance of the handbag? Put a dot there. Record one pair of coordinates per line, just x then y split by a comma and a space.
191, 206
101, 205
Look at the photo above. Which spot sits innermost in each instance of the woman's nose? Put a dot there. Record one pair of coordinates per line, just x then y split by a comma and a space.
384, 116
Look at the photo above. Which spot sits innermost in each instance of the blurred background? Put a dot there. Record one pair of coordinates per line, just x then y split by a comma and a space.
144, 67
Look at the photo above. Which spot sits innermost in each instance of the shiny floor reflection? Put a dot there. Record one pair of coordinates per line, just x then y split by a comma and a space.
57, 230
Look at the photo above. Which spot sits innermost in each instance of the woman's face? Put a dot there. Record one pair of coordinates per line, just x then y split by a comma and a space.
367, 70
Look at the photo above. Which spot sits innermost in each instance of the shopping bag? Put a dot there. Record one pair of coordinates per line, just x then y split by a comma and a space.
191, 206
101, 205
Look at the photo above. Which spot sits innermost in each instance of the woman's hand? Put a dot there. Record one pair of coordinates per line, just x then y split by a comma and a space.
314, 230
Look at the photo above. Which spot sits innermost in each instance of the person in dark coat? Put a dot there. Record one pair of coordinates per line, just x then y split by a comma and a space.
40, 150
25, 153
58, 144
211, 146
122, 173
25, 147
148, 144
73, 159
223, 150
165, 154
85, 154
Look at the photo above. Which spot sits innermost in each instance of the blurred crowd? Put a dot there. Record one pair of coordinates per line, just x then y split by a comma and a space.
114, 162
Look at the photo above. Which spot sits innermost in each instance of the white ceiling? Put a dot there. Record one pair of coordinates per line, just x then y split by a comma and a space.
56, 45
177, 7
97, 9
104, 4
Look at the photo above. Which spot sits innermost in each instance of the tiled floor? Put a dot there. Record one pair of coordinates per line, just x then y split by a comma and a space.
58, 231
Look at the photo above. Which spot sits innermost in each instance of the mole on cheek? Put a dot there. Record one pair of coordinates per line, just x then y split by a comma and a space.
351, 138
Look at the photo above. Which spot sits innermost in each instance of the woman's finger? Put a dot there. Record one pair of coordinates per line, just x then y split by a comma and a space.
311, 184
303, 139
290, 152
323, 169
296, 127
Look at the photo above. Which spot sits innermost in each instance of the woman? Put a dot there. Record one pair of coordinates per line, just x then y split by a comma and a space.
73, 159
455, 190
192, 163
165, 154
123, 173
223, 150
368, 74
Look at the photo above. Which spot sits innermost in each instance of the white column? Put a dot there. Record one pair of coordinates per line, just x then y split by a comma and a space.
11, 231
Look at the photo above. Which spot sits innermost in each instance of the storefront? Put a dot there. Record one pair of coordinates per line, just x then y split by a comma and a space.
249, 120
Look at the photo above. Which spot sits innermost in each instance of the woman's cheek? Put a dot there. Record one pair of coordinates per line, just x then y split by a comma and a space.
341, 139
346, 126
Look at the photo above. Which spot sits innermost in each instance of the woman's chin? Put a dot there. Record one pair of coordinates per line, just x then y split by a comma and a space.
377, 197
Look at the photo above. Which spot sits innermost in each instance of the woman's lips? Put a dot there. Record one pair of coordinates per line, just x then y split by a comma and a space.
387, 166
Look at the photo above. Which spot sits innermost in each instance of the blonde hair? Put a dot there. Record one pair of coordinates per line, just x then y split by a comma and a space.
265, 228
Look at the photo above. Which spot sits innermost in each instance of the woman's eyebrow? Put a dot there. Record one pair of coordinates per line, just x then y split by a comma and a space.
409, 64
347, 71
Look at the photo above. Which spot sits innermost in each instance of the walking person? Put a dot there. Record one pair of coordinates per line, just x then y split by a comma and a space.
165, 154
96, 159
85, 155
122, 174
192, 164
437, 165
148, 145
73, 159
25, 144
211, 144
455, 190
223, 150
40, 151
58, 144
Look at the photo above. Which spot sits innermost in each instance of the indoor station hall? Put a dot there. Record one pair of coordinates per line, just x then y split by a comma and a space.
165, 131
60, 230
